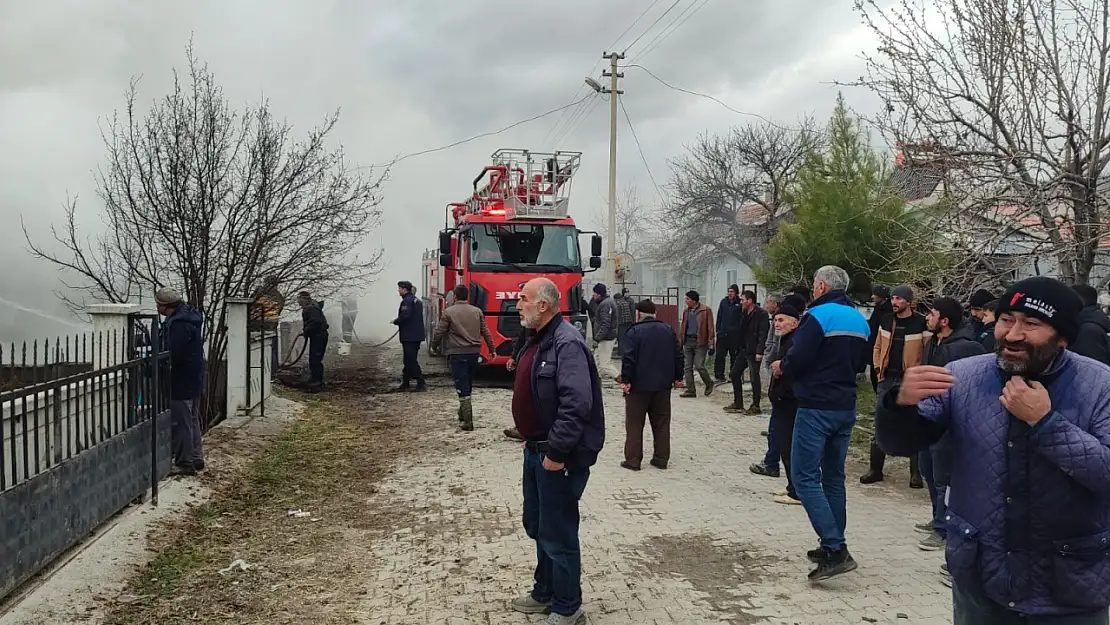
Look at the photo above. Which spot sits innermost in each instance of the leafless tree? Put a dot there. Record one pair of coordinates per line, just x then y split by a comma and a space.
1010, 99
633, 222
729, 193
208, 199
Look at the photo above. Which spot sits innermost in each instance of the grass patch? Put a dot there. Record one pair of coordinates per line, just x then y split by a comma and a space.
865, 420
322, 455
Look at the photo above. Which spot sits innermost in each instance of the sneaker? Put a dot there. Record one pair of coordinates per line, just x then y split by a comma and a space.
754, 410
658, 464
871, 477
513, 433
709, 388
787, 500
183, 470
628, 465
764, 433
198, 465
688, 393
578, 618
720, 381
733, 408
420, 388
780, 492
944, 569
815, 555
528, 605
834, 563
924, 528
761, 469
945, 576
932, 542
916, 483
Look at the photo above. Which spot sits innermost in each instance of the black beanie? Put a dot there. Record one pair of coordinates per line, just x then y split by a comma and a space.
797, 302
693, 295
789, 311
646, 306
980, 298
881, 290
1047, 299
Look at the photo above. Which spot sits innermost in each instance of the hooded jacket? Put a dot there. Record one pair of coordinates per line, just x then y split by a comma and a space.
1029, 507
829, 347
605, 319
1094, 335
183, 337
960, 344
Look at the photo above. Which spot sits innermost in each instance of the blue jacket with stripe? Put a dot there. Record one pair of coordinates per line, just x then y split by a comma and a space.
830, 347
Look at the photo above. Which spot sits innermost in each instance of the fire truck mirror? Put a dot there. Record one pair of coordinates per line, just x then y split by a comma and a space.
445, 243
444, 260
595, 246
595, 262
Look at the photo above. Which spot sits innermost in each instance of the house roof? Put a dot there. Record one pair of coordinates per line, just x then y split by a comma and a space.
916, 183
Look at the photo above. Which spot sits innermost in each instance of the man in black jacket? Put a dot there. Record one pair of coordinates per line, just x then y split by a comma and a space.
730, 315
982, 304
315, 331
880, 296
411, 333
754, 327
951, 341
784, 405
652, 363
1094, 327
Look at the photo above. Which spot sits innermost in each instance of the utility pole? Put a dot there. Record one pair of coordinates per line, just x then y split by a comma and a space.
613, 74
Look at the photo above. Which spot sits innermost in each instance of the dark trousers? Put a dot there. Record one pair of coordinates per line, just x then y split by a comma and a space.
971, 607
317, 346
728, 346
742, 362
622, 330
936, 468
551, 519
463, 367
782, 423
878, 456
185, 436
771, 458
411, 362
655, 408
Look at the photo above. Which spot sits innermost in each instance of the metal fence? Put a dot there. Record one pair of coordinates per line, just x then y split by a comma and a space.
85, 432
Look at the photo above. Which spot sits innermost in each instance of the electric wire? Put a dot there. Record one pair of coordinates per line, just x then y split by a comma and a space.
648, 29
572, 129
675, 24
640, 149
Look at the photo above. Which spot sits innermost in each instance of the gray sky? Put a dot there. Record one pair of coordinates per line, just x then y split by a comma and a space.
408, 76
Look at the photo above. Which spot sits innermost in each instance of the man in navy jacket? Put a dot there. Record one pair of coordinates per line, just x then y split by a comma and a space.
829, 348
411, 333
558, 410
1028, 517
183, 337
652, 363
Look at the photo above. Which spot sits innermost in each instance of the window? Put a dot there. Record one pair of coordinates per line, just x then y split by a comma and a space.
512, 247
730, 277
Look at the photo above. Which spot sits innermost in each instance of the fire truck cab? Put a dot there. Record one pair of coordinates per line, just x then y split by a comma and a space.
516, 226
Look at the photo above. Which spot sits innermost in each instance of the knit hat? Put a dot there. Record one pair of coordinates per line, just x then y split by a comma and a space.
167, 296
600, 289
881, 290
646, 306
980, 298
904, 291
949, 309
789, 311
797, 302
694, 295
1047, 299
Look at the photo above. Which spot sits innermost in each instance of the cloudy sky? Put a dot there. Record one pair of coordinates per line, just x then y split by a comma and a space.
407, 76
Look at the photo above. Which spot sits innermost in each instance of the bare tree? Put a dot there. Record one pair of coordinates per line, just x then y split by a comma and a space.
209, 199
729, 193
633, 222
1010, 99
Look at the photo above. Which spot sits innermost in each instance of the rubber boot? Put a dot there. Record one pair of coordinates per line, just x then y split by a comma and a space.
466, 414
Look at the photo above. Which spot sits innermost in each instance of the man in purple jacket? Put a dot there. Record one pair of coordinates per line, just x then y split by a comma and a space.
1028, 518
558, 410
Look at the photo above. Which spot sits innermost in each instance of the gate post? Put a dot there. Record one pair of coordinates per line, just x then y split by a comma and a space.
110, 333
237, 354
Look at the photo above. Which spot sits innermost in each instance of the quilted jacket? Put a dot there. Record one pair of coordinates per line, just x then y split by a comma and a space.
1029, 507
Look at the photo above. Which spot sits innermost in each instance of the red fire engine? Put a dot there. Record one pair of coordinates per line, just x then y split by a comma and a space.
515, 227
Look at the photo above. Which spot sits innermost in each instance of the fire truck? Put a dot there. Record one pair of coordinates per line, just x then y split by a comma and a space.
514, 227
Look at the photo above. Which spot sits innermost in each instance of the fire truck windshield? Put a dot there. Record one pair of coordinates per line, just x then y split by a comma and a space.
527, 247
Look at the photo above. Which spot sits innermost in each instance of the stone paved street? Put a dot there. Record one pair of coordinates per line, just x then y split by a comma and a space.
702, 542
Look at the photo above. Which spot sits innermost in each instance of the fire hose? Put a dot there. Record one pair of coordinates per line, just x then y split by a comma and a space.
288, 364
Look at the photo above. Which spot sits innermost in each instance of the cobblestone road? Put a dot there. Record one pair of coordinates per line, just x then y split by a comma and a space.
701, 542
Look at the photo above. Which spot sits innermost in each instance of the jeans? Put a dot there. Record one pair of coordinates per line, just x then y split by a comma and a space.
695, 361
184, 432
728, 346
936, 468
411, 363
817, 465
971, 607
771, 458
463, 367
551, 519
317, 346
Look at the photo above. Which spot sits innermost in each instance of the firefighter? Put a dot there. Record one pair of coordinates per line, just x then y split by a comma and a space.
410, 331
315, 331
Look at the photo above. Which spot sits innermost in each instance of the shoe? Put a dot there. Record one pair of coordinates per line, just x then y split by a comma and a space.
709, 388
815, 555
720, 381
924, 528
871, 477
915, 482
578, 618
403, 388
688, 393
761, 469
466, 414
834, 563
945, 576
420, 387
754, 411
628, 465
764, 433
787, 500
513, 433
182, 470
528, 605
944, 569
780, 492
198, 465
932, 542
658, 464
733, 408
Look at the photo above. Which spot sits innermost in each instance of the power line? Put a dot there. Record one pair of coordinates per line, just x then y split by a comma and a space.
626, 30
648, 29
675, 24
709, 97
640, 149
492, 132
577, 124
